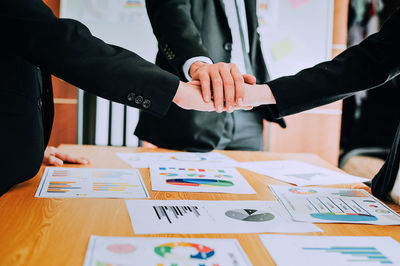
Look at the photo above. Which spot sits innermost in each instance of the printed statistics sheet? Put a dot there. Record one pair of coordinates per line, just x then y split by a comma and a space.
61, 182
198, 178
299, 173
201, 217
332, 250
144, 159
334, 205
103, 250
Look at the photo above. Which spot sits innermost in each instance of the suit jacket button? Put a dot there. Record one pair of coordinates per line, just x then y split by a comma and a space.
139, 100
40, 104
146, 104
131, 97
228, 46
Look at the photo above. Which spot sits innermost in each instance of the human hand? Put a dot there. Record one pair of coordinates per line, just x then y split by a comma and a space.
188, 96
226, 81
53, 156
258, 94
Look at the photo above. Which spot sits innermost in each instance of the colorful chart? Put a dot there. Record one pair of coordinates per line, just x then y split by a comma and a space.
121, 248
223, 176
201, 182
202, 170
196, 175
249, 215
169, 174
350, 217
110, 174
61, 187
167, 251
133, 3
110, 186
303, 191
358, 253
350, 193
188, 158
102, 263
67, 173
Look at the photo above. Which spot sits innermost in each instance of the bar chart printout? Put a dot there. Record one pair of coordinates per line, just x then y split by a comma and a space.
200, 217
59, 182
334, 205
332, 250
103, 251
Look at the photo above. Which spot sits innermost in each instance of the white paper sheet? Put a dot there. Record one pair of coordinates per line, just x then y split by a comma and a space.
124, 251
332, 250
144, 159
200, 217
299, 173
61, 182
197, 178
334, 205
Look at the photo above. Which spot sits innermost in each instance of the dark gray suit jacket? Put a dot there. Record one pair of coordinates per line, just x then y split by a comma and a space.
186, 29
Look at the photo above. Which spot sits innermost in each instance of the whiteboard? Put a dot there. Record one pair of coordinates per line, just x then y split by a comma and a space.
119, 22
295, 34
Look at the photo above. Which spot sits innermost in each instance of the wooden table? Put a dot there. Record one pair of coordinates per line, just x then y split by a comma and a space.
41, 231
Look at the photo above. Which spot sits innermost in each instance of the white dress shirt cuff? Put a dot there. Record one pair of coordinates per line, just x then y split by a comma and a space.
186, 66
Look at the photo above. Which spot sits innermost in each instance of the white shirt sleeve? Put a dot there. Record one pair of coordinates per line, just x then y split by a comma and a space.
186, 66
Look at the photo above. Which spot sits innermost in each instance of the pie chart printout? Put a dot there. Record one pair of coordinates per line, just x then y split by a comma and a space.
250, 215
184, 250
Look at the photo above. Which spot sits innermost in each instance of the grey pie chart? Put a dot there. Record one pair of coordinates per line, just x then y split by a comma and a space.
249, 215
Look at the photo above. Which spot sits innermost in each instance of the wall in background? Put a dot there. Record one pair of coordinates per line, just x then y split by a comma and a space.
315, 131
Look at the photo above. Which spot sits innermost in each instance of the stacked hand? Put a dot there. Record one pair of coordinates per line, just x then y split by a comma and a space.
221, 87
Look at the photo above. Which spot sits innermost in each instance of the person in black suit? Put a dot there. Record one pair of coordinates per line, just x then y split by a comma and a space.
193, 35
36, 44
370, 64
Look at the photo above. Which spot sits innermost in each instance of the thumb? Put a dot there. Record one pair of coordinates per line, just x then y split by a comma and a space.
249, 79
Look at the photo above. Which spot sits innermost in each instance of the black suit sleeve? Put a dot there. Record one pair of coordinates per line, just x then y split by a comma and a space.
367, 65
67, 49
178, 37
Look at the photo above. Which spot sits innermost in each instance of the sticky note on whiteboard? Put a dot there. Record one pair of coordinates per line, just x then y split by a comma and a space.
282, 49
297, 3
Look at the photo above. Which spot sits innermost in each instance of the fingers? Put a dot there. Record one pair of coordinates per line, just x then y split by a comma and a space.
221, 84
228, 86
239, 84
53, 160
249, 79
218, 89
71, 159
205, 85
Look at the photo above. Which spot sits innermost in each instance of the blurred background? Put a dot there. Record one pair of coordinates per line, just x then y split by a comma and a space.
354, 134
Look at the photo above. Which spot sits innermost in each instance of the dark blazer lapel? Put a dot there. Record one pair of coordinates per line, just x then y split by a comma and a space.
220, 7
252, 23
